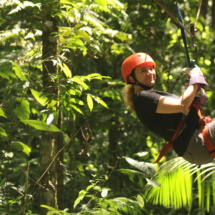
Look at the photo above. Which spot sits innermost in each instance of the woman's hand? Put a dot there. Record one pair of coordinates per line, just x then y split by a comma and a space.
196, 77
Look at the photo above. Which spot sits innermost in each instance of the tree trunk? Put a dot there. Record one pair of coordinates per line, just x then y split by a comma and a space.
113, 154
52, 142
204, 8
213, 15
72, 194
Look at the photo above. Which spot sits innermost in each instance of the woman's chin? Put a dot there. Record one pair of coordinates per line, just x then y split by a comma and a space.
152, 83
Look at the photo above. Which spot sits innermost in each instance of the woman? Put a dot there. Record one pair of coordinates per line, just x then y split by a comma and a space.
161, 112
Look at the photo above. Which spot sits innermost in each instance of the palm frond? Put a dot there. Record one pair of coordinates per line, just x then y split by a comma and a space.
175, 185
178, 180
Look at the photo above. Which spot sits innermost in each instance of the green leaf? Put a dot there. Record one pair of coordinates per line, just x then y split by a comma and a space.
2, 113
51, 210
131, 173
100, 101
97, 76
123, 36
103, 3
39, 125
65, 69
152, 183
140, 201
83, 34
40, 98
18, 71
175, 188
90, 102
8, 75
77, 101
81, 196
147, 168
77, 109
3, 133
21, 147
79, 81
23, 111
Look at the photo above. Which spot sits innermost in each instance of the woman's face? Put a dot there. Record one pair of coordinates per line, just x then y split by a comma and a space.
145, 75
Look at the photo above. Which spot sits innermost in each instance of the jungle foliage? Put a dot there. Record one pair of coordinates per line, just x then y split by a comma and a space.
68, 143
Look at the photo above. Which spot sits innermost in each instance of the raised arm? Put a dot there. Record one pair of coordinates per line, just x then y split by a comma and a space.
180, 105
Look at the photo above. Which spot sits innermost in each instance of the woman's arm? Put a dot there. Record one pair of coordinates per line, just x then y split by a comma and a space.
180, 105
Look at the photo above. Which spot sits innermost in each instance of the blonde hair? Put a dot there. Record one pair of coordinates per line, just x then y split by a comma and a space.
128, 95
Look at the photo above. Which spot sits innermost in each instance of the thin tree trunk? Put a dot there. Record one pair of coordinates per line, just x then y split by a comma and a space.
72, 194
113, 153
52, 178
60, 170
204, 8
213, 14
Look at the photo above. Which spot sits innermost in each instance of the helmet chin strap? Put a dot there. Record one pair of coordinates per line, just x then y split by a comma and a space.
138, 83
141, 85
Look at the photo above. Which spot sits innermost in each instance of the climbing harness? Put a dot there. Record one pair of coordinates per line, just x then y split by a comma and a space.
203, 121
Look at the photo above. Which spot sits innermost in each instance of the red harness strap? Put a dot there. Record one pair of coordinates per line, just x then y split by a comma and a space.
204, 128
205, 133
169, 145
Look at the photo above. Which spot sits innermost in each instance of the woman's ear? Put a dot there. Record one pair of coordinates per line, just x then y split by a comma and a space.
131, 79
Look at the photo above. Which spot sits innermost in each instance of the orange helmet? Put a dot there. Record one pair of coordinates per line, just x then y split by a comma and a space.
133, 61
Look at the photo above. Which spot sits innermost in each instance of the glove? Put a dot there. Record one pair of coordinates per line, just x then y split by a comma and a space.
196, 76
201, 96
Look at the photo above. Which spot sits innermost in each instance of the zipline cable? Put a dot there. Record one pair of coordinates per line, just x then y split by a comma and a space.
183, 34
184, 30
172, 16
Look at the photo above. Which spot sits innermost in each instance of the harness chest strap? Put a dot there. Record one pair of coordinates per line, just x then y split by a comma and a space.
204, 129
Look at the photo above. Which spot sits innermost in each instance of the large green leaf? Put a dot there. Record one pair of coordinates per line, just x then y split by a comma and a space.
90, 102
65, 69
131, 173
21, 147
78, 80
2, 113
81, 196
23, 110
3, 133
171, 186
101, 2
7, 74
43, 126
146, 168
99, 101
39, 97
18, 71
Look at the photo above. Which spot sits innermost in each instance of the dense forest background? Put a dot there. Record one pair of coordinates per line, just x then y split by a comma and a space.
68, 144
